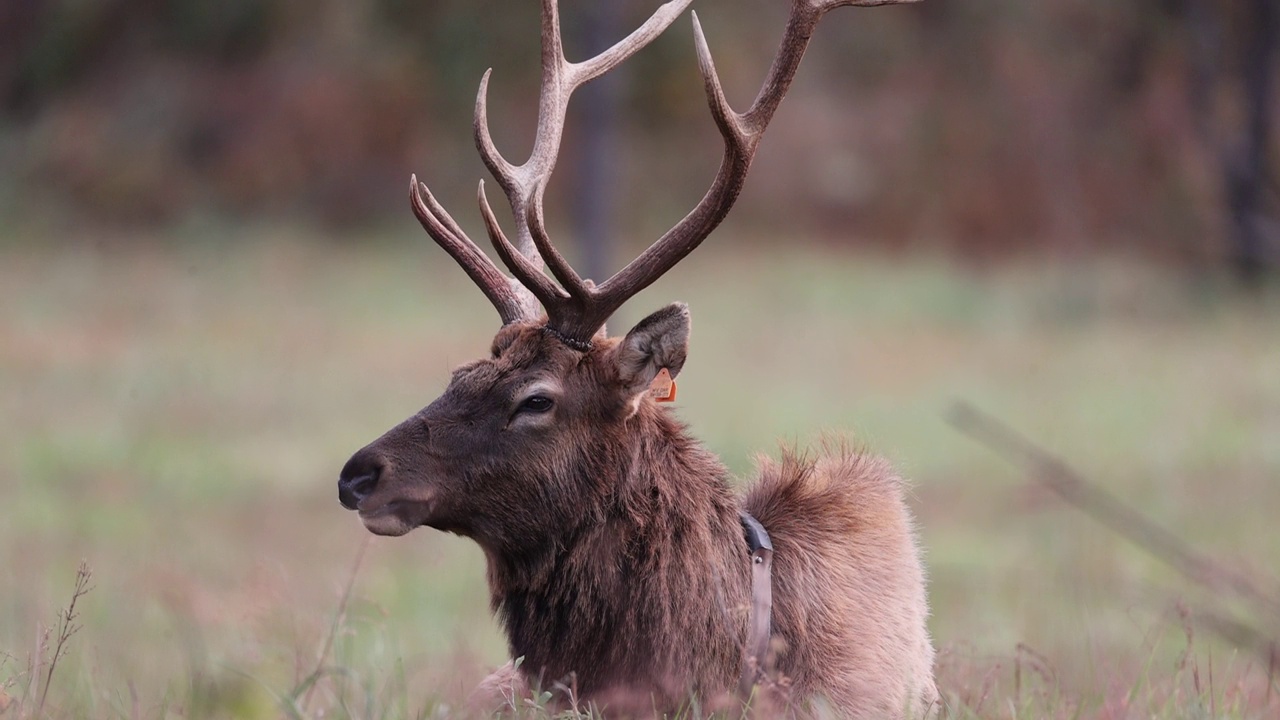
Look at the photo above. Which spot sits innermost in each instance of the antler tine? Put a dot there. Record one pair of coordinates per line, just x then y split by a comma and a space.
657, 23
526, 269
512, 300
741, 133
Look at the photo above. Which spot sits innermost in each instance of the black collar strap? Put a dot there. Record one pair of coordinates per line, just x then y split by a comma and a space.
759, 624
579, 345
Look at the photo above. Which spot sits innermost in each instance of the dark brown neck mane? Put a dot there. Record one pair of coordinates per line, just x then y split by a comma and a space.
652, 588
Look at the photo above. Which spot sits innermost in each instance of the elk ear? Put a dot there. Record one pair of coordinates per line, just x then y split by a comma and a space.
656, 342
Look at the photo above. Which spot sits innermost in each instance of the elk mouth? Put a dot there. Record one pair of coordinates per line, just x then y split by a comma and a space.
393, 518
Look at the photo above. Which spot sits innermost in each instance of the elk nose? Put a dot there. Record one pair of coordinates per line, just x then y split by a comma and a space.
359, 478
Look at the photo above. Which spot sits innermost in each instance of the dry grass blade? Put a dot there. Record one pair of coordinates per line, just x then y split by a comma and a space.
1068, 484
312, 679
68, 625
7, 700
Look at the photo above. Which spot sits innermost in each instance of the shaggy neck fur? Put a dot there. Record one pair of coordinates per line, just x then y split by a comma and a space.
651, 594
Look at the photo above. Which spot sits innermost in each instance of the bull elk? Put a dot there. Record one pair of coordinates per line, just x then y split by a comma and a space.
619, 557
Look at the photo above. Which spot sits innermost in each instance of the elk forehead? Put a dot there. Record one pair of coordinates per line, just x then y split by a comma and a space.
519, 350
521, 343
526, 346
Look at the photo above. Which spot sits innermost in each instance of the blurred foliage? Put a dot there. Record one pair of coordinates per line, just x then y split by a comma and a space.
985, 127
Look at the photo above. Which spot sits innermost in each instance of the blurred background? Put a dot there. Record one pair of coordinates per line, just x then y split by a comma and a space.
212, 291
984, 129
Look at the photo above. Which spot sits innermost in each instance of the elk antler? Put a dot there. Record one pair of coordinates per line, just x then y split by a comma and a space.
577, 309
517, 299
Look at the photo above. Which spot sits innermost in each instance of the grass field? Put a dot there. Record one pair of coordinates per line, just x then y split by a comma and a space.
176, 415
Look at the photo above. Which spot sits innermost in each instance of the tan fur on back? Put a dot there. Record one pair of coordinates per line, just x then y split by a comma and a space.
849, 587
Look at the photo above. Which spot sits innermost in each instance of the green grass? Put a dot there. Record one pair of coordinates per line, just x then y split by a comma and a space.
177, 418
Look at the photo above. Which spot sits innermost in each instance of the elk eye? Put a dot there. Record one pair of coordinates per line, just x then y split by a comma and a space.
537, 404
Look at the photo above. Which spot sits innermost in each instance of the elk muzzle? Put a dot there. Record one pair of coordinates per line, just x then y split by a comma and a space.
359, 478
383, 481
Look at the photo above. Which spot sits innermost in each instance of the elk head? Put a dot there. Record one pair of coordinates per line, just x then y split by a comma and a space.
532, 437
524, 439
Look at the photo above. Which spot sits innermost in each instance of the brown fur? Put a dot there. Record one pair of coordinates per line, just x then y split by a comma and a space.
616, 560
850, 605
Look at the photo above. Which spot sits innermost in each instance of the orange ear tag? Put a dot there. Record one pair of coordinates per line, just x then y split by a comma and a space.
663, 387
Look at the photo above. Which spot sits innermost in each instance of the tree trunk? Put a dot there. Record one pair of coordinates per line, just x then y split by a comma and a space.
596, 161
1246, 161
